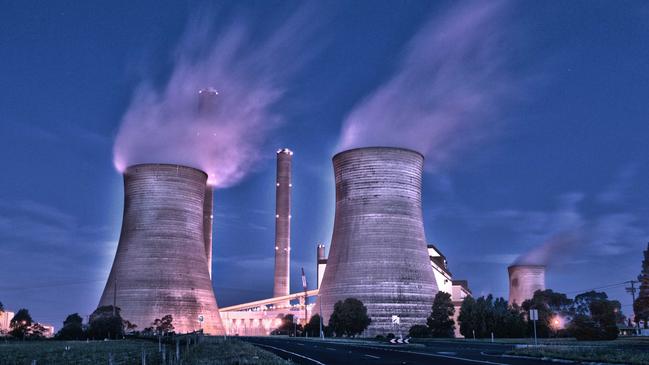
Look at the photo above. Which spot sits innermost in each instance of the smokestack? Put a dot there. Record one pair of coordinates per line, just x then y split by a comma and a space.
524, 280
378, 252
207, 105
283, 187
322, 263
161, 266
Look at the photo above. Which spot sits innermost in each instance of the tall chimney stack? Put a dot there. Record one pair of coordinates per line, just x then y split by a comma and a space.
283, 223
206, 105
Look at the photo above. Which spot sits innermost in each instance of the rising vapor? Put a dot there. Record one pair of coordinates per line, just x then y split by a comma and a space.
446, 91
161, 124
555, 250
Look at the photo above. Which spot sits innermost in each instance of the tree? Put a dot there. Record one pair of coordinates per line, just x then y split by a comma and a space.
599, 323
289, 326
486, 316
349, 318
20, 324
641, 304
312, 329
106, 323
2, 308
440, 320
419, 331
72, 328
467, 317
583, 301
164, 325
549, 304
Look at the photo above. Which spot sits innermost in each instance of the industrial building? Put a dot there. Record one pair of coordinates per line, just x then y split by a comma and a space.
5, 321
161, 266
378, 252
283, 187
524, 280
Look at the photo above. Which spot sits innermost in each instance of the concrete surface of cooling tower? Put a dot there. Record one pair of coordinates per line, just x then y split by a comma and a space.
161, 265
378, 251
524, 280
283, 187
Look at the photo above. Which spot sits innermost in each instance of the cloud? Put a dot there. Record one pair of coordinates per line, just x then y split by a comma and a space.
618, 190
448, 90
249, 67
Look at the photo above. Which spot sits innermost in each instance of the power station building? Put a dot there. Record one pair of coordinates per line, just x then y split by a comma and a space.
524, 280
378, 252
162, 264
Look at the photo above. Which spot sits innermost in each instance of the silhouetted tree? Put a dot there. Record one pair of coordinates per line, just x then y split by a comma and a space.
349, 318
20, 324
641, 304
440, 321
164, 325
104, 324
467, 317
485, 316
599, 323
72, 328
312, 329
549, 304
2, 308
289, 326
419, 331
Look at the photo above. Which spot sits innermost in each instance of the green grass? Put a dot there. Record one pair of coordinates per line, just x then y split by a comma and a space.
219, 352
127, 352
609, 353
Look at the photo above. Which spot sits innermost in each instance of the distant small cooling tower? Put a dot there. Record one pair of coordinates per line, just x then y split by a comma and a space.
378, 252
524, 280
161, 264
283, 187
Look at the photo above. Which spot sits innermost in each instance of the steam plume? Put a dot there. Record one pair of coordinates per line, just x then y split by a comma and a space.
557, 249
446, 89
161, 124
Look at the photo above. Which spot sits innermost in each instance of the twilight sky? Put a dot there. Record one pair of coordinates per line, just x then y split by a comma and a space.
533, 117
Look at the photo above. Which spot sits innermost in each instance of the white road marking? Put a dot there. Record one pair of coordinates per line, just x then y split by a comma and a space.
329, 348
372, 356
292, 353
301, 344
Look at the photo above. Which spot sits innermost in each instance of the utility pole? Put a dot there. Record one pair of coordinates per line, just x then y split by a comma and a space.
632, 290
304, 285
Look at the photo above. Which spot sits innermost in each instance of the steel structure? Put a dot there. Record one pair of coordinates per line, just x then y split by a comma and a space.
161, 264
378, 251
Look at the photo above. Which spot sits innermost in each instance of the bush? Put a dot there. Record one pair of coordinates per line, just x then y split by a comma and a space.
419, 331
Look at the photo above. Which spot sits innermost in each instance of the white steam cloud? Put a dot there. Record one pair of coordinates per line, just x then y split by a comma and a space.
555, 250
446, 90
250, 73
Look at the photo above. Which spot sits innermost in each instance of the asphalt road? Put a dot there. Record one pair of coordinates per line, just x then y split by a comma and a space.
330, 352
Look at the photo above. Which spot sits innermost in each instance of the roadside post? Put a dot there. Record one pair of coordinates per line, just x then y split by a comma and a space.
396, 321
534, 316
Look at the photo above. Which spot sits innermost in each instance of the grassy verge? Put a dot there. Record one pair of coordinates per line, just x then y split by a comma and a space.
602, 353
232, 351
129, 352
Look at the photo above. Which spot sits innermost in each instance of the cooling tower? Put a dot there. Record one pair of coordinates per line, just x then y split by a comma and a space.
161, 264
283, 187
378, 250
524, 280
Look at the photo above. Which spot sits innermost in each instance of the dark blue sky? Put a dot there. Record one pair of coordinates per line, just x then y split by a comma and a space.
533, 117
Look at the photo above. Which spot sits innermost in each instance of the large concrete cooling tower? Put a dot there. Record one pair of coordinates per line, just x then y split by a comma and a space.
378, 251
161, 265
524, 280
283, 224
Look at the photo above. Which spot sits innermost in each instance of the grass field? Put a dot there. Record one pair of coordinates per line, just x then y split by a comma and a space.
607, 354
127, 352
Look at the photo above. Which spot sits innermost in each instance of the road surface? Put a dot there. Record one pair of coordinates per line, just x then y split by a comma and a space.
333, 352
